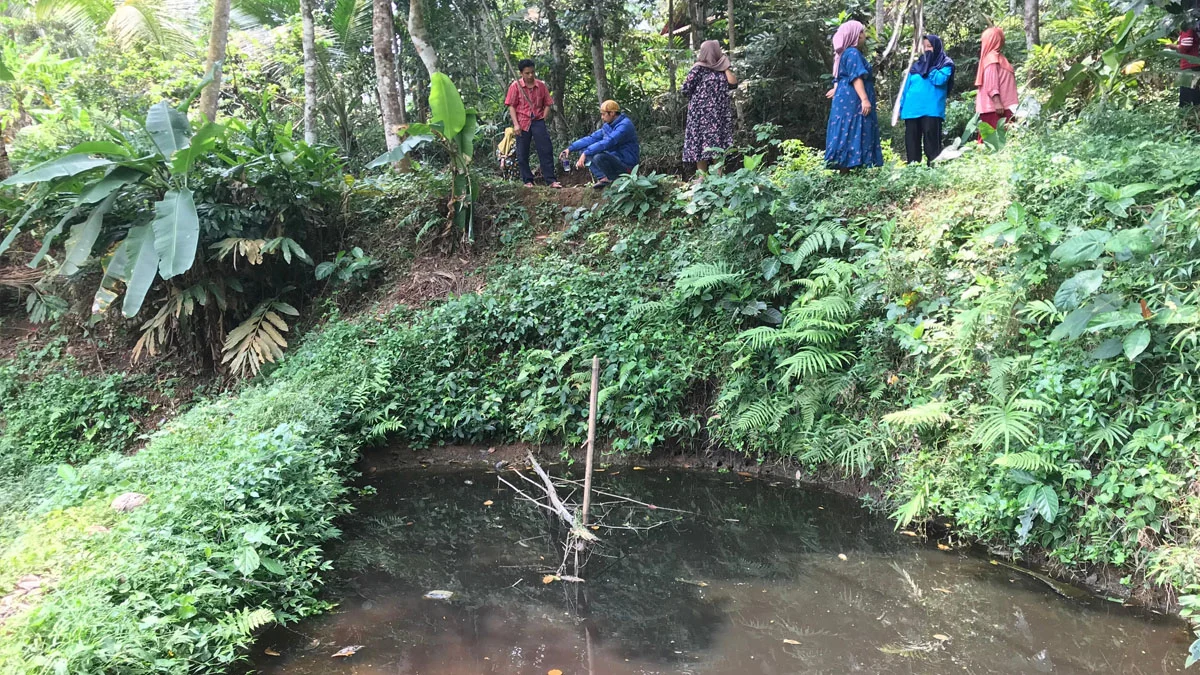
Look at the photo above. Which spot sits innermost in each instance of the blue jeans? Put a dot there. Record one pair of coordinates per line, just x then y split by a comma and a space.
540, 136
606, 165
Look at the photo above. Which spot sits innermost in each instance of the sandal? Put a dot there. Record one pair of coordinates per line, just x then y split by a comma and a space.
601, 184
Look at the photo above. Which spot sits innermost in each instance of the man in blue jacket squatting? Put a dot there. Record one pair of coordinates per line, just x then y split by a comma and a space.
611, 150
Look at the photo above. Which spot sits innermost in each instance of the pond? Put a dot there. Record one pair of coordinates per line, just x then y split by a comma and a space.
756, 577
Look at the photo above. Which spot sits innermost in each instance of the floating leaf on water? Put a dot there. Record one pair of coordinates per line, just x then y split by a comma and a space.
842, 556
549, 578
439, 595
943, 547
468, 482
943, 590
639, 468
572, 579
554, 671
701, 584
347, 651
939, 636
488, 503
908, 533
746, 474
788, 641
270, 652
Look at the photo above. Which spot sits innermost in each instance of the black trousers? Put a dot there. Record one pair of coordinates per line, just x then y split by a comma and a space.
1189, 96
926, 131
539, 136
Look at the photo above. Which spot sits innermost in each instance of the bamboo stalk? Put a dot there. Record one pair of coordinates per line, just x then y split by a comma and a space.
591, 441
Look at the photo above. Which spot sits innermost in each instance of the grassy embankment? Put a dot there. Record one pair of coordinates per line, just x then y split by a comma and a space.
1006, 340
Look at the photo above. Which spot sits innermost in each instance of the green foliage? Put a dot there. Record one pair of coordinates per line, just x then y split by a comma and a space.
50, 412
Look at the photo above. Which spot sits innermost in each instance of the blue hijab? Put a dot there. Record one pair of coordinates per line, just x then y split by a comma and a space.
931, 61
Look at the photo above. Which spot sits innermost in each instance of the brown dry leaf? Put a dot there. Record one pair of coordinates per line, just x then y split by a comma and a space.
787, 641
940, 637
639, 468
347, 651
747, 474
908, 533
554, 671
488, 503
270, 652
947, 591
549, 578
595, 527
943, 547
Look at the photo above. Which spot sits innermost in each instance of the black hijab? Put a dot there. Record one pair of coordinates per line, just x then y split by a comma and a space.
931, 61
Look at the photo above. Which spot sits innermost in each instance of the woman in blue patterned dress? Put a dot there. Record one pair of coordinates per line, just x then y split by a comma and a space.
852, 137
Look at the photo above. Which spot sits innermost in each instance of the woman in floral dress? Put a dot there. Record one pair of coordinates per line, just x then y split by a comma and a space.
852, 137
710, 108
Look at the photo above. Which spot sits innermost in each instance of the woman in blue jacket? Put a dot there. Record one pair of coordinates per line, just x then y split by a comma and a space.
923, 106
609, 151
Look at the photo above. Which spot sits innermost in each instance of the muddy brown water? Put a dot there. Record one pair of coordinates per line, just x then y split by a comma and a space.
758, 577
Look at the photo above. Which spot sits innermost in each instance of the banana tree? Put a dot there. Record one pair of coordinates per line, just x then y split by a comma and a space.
92, 176
452, 125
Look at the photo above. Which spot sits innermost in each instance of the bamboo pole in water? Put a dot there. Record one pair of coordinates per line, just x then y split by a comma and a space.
591, 441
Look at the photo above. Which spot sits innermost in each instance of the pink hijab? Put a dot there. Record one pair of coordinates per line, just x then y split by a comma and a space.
847, 35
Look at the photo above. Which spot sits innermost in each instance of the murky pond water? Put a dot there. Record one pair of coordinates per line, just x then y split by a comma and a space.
758, 578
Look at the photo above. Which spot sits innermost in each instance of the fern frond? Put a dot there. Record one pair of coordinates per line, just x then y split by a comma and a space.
1025, 461
813, 361
704, 276
762, 415
929, 414
246, 621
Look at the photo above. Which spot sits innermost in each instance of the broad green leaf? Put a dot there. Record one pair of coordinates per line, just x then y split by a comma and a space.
246, 560
257, 533
1126, 244
142, 266
1136, 342
83, 237
1105, 190
1074, 324
466, 138
445, 105
400, 151
176, 232
49, 238
1045, 502
16, 229
5, 74
1084, 247
770, 267
168, 128
1107, 349
116, 179
1067, 84
114, 273
59, 167
201, 144
1135, 189
100, 148
1078, 288
274, 567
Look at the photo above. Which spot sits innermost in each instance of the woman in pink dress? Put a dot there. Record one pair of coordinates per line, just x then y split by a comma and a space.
995, 83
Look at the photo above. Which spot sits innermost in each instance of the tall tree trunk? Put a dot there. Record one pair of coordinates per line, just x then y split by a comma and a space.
671, 43
218, 39
729, 22
383, 36
1033, 24
309, 45
558, 72
490, 12
595, 29
699, 22
880, 10
399, 63
420, 37
5, 165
